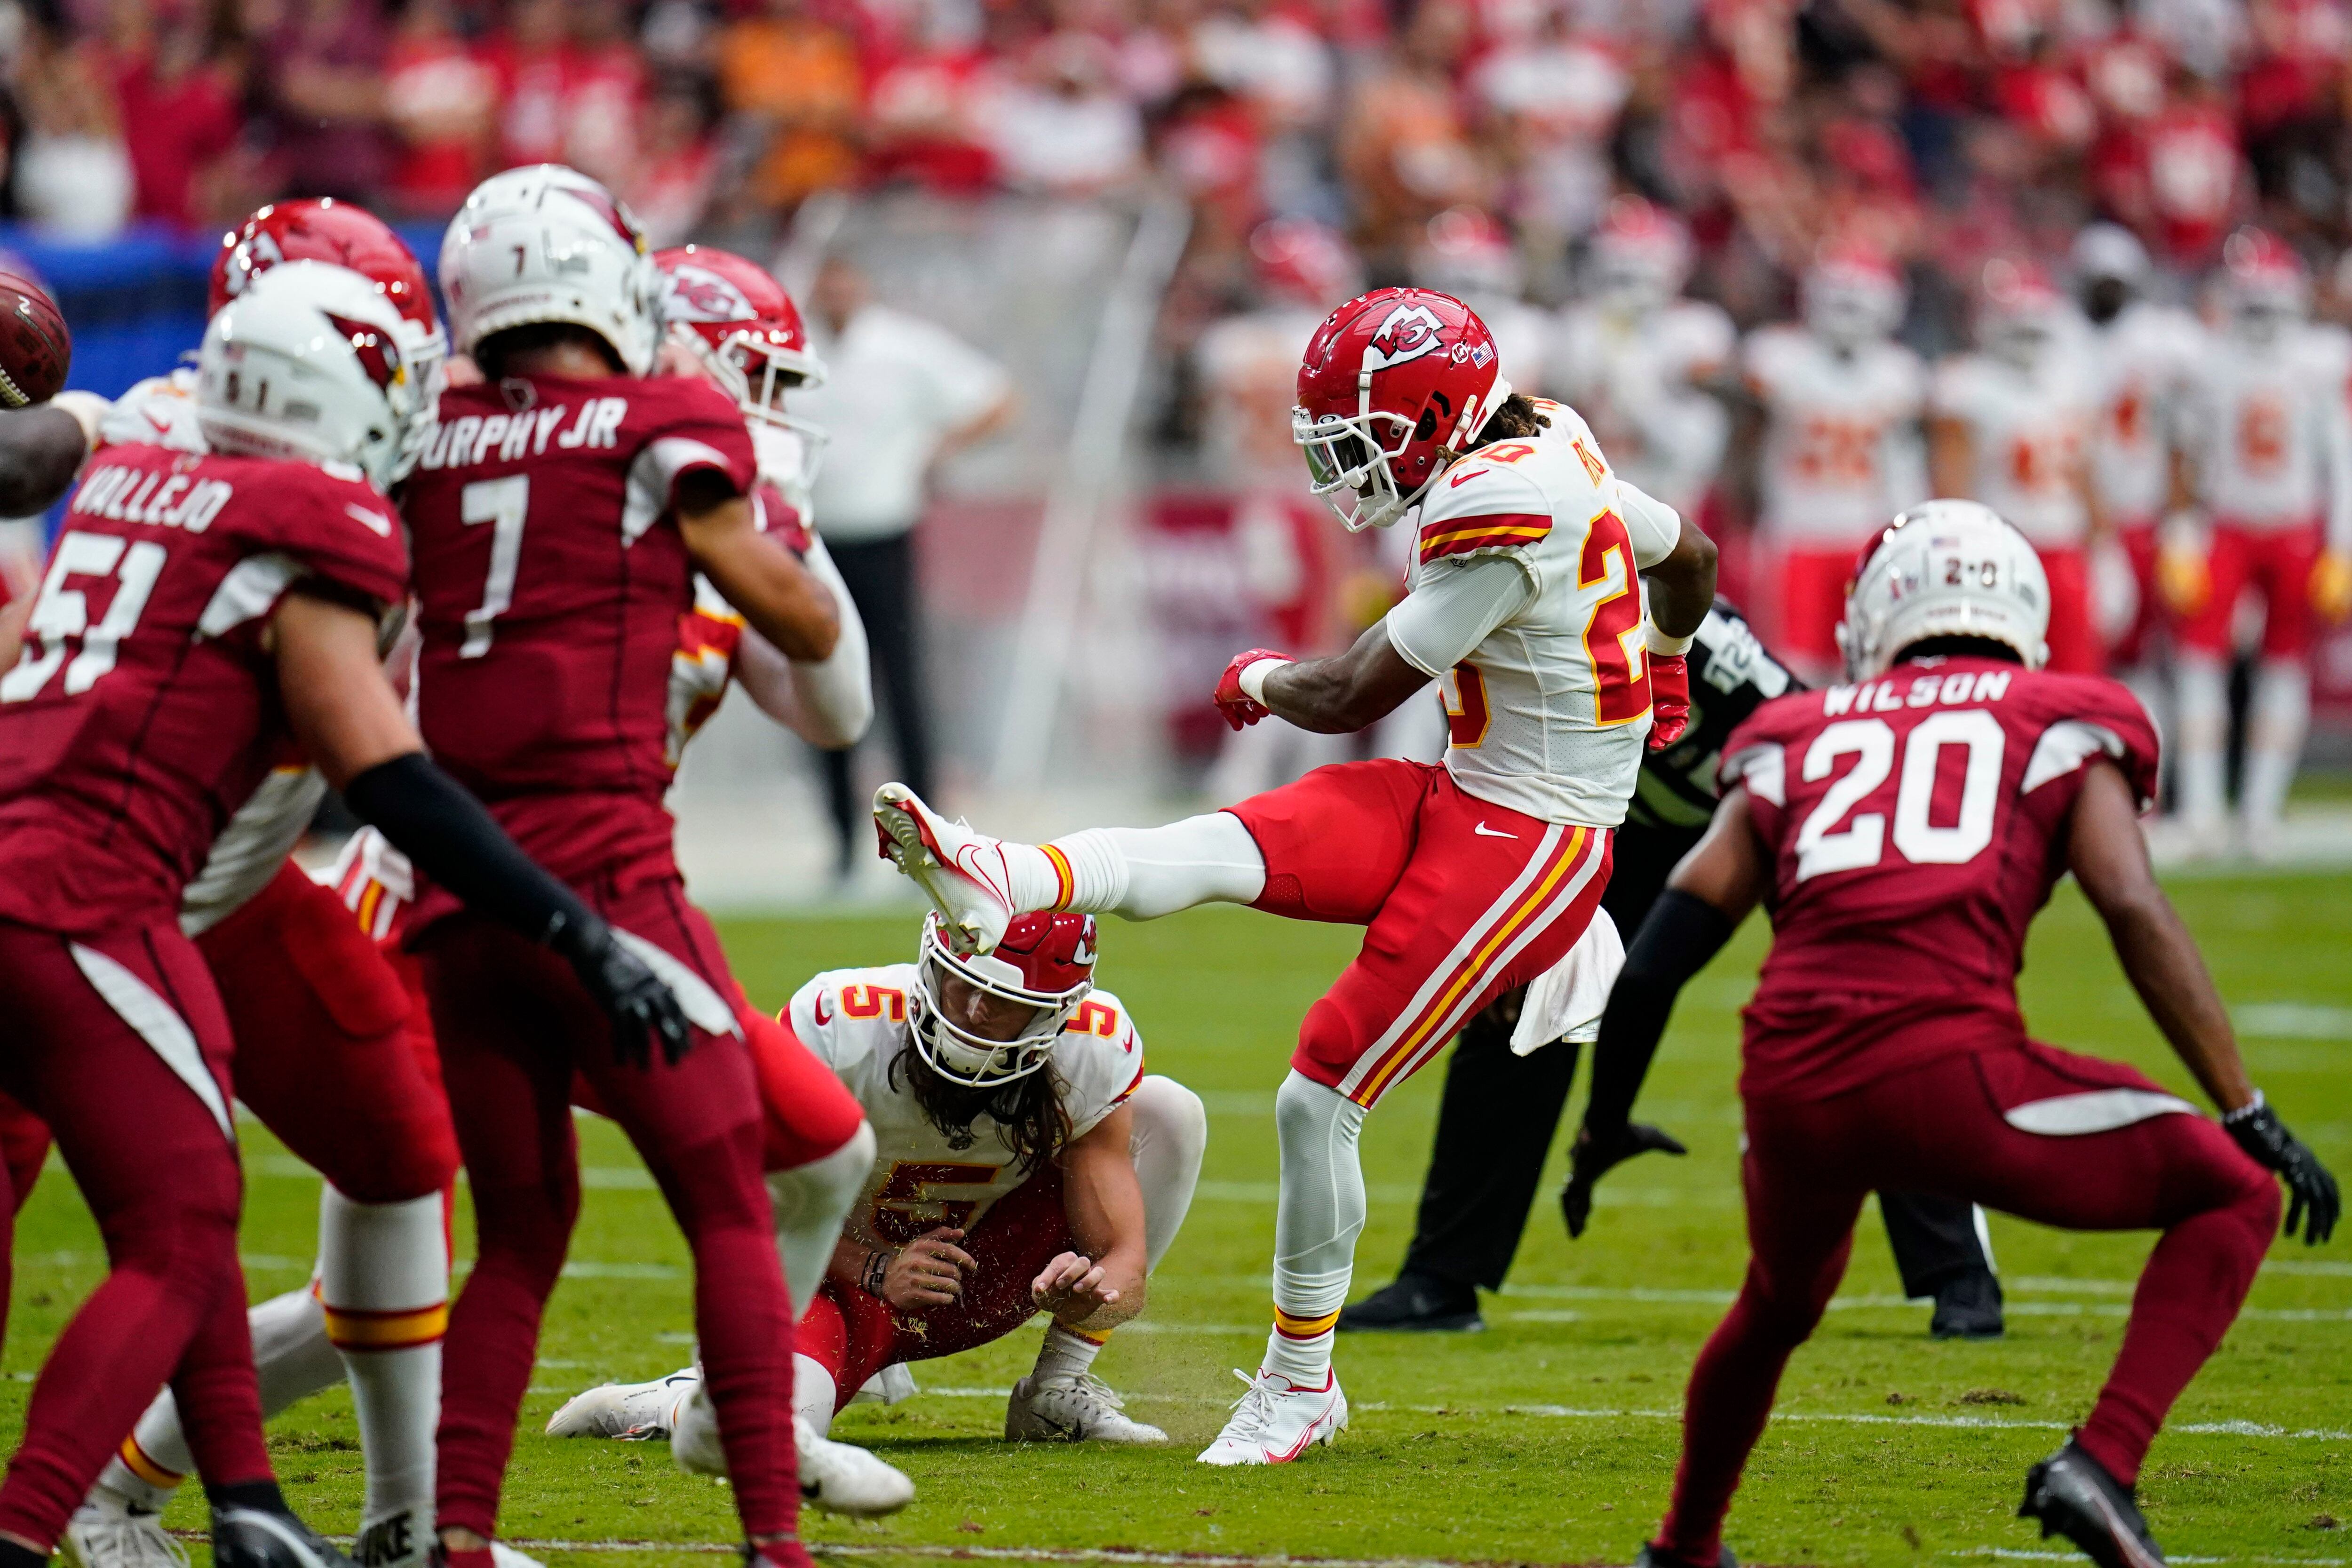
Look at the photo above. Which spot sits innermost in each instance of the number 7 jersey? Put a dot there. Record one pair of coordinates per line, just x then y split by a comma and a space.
1915, 823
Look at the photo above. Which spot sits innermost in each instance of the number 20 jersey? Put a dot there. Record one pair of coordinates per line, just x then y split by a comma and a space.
551, 577
1915, 823
1548, 714
855, 1021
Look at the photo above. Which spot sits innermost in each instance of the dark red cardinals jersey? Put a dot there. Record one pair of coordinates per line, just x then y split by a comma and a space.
142, 711
1915, 823
551, 575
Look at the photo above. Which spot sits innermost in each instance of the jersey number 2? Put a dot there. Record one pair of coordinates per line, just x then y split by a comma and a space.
62, 614
1822, 846
1613, 637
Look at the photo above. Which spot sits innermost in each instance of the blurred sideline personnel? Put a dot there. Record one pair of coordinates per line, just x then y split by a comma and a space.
1501, 1109
303, 964
559, 516
1838, 450
901, 396
176, 622
1903, 828
2267, 457
1024, 1164
2142, 355
2010, 425
1471, 877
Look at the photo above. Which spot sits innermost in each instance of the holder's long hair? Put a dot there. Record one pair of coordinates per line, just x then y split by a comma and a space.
1516, 420
1031, 1122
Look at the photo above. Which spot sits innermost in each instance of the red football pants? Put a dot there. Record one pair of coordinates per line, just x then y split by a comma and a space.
1461, 899
2139, 541
2072, 637
2277, 563
120, 1046
854, 1335
1798, 593
514, 1027
1938, 1128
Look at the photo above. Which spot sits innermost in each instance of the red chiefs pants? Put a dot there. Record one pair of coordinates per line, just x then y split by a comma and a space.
2277, 563
2139, 541
119, 1044
2073, 637
1943, 1127
514, 1027
1461, 899
854, 1335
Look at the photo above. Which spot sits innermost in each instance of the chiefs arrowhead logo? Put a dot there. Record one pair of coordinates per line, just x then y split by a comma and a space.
697, 294
1409, 331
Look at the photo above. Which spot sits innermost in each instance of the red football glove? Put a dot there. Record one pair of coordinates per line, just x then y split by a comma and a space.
1238, 707
1669, 699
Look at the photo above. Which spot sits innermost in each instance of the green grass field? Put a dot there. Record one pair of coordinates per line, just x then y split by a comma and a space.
1552, 1436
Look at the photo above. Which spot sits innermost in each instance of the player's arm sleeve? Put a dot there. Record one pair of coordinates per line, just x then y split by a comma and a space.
1677, 938
1455, 607
2107, 721
338, 538
802, 1011
706, 443
828, 702
1654, 527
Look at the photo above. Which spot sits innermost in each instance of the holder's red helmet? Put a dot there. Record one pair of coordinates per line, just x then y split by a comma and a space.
1395, 384
1045, 960
743, 328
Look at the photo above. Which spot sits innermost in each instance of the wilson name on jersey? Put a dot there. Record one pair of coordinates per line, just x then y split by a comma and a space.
1548, 713
1915, 823
856, 1022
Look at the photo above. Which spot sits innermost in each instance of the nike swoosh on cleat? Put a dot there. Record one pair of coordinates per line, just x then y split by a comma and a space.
1483, 831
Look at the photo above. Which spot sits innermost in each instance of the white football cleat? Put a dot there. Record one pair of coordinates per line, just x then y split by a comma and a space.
1277, 1420
841, 1477
639, 1411
962, 872
1076, 1409
109, 1532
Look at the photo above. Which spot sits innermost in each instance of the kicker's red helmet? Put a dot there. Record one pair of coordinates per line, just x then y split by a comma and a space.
1395, 384
1045, 960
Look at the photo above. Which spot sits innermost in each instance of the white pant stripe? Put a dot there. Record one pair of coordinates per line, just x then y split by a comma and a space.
154, 1021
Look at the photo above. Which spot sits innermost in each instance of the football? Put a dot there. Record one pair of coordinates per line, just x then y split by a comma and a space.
34, 347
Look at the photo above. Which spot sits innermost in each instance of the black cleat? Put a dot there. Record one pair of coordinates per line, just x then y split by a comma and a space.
1654, 1556
2073, 1495
1415, 1303
1968, 1308
249, 1537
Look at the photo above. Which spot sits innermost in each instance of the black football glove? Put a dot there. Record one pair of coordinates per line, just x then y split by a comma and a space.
1590, 1157
2310, 1189
641, 1008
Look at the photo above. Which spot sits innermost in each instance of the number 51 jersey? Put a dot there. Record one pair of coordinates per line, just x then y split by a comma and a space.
1915, 823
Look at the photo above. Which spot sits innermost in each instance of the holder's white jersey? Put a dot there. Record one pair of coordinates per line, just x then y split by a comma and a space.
2028, 431
1523, 601
1636, 379
1841, 448
2142, 360
856, 1022
2267, 429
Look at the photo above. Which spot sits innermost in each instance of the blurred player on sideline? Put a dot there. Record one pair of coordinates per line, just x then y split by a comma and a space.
2267, 445
1526, 601
558, 515
1840, 449
1026, 1163
2010, 425
1903, 828
220, 612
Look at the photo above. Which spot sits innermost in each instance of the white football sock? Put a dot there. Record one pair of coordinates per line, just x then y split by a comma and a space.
814, 1392
1068, 1352
1171, 1134
2203, 683
1143, 873
1316, 1223
383, 1286
810, 1201
2278, 715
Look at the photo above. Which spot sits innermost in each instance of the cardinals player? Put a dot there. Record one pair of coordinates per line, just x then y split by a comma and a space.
1636, 359
1840, 446
2268, 458
558, 515
237, 588
1026, 1163
1902, 828
2011, 425
1526, 602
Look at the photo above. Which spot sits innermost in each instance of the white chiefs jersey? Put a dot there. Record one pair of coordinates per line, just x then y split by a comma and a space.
1548, 710
159, 411
2028, 432
1841, 448
856, 1022
2266, 428
1636, 379
2142, 361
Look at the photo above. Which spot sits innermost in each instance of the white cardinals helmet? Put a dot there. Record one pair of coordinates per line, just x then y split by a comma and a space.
549, 244
1945, 569
306, 364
